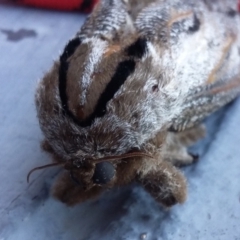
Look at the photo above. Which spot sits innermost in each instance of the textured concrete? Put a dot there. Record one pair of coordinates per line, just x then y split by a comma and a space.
29, 42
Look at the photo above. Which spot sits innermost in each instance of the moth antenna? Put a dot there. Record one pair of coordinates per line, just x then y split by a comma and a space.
123, 156
110, 158
42, 167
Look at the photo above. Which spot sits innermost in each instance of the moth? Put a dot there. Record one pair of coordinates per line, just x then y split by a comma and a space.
130, 91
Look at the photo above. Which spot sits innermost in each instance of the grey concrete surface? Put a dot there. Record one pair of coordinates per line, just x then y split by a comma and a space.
29, 42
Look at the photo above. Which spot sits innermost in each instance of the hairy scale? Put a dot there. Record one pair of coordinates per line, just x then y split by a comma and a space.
139, 77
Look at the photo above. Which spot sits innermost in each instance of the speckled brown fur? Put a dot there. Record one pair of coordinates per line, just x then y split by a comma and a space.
135, 71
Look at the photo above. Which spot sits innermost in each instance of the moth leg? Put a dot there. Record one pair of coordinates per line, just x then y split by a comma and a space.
179, 156
70, 193
175, 150
191, 135
164, 182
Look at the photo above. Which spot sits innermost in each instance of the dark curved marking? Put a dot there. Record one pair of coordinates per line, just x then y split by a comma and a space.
172, 129
196, 25
70, 48
138, 49
68, 51
124, 69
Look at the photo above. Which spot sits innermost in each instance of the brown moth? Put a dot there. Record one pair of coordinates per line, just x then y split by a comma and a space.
130, 90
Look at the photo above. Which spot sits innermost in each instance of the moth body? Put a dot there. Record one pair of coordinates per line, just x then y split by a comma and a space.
134, 73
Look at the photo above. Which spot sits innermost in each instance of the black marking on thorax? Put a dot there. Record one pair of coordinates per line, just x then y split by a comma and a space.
62, 84
196, 25
138, 49
123, 71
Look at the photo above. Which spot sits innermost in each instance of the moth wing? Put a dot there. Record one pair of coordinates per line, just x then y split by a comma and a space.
204, 101
171, 24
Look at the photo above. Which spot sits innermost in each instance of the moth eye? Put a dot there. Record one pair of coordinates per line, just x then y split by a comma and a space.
104, 173
155, 88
